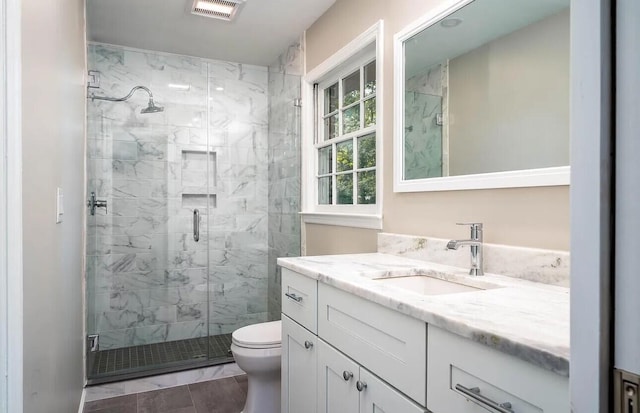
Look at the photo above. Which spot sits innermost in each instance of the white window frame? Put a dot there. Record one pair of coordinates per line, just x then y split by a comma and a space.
363, 49
11, 278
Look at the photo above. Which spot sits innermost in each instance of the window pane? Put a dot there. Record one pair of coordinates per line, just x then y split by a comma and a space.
351, 88
325, 192
344, 156
325, 160
370, 112
367, 151
351, 119
345, 189
330, 127
330, 99
367, 187
370, 78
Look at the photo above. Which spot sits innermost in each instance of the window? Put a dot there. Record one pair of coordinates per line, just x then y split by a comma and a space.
346, 137
342, 168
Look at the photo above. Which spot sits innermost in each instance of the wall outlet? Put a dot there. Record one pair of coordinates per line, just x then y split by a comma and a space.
59, 205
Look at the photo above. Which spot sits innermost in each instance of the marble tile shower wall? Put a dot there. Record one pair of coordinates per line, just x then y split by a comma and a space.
426, 153
284, 167
146, 277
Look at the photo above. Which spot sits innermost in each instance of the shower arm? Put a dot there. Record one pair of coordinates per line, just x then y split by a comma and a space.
133, 90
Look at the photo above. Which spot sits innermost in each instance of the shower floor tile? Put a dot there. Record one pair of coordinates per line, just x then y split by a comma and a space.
128, 359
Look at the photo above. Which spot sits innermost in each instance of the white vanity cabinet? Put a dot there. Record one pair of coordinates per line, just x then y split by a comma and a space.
468, 377
344, 354
390, 344
346, 387
317, 376
299, 368
300, 299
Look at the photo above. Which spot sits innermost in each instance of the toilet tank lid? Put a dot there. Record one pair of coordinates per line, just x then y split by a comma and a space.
259, 334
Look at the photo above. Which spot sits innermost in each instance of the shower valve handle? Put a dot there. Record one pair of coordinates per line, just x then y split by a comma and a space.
94, 203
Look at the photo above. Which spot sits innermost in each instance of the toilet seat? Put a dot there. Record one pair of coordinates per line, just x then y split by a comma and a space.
259, 336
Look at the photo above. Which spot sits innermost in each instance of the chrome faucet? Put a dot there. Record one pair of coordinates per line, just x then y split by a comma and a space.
475, 242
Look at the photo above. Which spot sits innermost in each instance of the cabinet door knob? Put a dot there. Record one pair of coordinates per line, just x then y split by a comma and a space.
308, 344
346, 375
360, 385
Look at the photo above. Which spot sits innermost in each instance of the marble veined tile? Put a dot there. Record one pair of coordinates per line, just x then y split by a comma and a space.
120, 319
105, 391
538, 265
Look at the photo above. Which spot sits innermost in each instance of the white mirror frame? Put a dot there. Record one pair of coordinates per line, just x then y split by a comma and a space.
555, 176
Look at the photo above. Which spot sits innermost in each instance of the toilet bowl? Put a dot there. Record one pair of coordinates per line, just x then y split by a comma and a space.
257, 349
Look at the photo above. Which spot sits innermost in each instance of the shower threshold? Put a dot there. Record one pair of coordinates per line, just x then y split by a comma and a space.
126, 363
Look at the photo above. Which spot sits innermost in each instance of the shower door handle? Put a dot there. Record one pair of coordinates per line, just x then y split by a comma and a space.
196, 225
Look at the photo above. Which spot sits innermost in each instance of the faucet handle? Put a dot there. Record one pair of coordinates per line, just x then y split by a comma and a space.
473, 224
476, 230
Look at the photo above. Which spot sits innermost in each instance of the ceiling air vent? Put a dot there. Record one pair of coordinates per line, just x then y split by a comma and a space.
217, 9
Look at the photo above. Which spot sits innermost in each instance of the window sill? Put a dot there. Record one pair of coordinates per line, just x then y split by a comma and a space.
343, 220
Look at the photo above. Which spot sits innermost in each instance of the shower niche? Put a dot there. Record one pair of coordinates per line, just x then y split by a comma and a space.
196, 169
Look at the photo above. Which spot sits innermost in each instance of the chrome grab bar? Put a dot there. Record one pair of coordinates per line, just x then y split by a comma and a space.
196, 225
294, 297
474, 393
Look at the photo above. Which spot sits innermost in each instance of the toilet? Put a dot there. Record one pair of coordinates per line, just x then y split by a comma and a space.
257, 349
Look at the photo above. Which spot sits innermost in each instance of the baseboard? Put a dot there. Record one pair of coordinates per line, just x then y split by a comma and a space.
82, 398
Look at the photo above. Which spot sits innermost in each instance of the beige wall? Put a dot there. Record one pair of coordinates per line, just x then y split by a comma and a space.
535, 217
329, 239
501, 122
53, 67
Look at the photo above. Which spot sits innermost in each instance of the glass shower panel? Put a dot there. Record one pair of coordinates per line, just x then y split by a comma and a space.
147, 275
284, 161
238, 225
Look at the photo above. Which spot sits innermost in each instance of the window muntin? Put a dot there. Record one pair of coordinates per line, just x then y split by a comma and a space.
348, 130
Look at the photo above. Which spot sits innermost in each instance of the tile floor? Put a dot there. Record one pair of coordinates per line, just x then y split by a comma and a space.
215, 396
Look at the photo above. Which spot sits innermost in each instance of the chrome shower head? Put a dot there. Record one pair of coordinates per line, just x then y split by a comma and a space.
152, 108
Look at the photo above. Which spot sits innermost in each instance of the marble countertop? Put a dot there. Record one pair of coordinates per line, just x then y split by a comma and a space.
528, 320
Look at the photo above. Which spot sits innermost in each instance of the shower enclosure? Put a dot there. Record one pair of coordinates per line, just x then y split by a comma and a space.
187, 221
426, 132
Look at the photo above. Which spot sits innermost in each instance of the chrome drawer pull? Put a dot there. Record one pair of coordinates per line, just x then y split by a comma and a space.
293, 297
347, 375
474, 393
308, 344
360, 385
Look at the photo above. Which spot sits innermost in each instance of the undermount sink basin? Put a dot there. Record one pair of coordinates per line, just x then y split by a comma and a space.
424, 285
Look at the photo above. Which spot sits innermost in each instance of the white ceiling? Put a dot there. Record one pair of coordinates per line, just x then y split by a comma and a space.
482, 21
260, 32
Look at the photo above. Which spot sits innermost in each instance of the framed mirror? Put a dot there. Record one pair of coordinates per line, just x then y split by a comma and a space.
481, 97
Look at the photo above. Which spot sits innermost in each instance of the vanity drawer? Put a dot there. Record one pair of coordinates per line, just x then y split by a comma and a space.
300, 299
458, 365
390, 344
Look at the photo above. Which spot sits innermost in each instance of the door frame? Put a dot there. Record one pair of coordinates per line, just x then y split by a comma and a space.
592, 189
627, 283
11, 276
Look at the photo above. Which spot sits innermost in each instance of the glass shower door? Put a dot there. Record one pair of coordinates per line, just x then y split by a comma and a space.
147, 266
